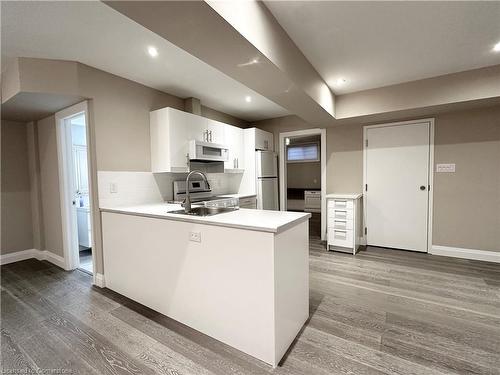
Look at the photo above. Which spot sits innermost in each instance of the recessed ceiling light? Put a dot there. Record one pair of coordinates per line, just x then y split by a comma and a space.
496, 47
340, 82
248, 99
153, 51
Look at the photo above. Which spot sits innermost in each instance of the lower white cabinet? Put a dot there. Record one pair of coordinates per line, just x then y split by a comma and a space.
84, 226
248, 202
234, 140
344, 222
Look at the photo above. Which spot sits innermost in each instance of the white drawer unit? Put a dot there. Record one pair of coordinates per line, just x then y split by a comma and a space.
344, 222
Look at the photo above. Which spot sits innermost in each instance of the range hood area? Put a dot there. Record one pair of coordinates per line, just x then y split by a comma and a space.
206, 166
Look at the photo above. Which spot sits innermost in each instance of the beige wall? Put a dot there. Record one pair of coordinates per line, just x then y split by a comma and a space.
469, 138
121, 118
223, 117
304, 175
467, 202
49, 186
16, 224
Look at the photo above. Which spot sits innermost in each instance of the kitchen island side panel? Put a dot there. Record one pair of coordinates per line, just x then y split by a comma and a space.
291, 278
222, 286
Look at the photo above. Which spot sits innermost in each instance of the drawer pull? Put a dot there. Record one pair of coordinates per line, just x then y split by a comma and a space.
341, 203
340, 234
341, 214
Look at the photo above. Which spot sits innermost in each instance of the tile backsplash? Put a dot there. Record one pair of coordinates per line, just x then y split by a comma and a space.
121, 188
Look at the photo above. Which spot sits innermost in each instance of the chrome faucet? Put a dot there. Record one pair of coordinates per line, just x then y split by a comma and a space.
187, 202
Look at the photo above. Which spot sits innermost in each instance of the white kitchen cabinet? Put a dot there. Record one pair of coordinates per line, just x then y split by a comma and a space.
216, 131
234, 140
344, 222
80, 169
170, 131
245, 287
84, 226
248, 202
264, 140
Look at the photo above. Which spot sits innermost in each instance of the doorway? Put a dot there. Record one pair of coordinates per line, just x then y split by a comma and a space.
74, 175
398, 183
303, 176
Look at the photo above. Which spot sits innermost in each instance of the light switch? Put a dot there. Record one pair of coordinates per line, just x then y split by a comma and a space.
445, 168
113, 187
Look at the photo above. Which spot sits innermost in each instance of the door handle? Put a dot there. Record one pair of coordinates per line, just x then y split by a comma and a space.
422, 187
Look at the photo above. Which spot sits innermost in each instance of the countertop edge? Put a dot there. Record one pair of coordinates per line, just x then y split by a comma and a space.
279, 229
343, 196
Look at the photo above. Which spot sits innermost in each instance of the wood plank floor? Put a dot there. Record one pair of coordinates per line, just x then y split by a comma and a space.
380, 312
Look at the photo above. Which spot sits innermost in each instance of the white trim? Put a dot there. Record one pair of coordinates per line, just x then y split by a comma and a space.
68, 214
32, 254
282, 162
457, 252
431, 172
17, 256
99, 280
51, 257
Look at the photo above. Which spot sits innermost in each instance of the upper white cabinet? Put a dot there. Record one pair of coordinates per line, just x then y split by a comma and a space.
172, 129
215, 132
234, 139
264, 140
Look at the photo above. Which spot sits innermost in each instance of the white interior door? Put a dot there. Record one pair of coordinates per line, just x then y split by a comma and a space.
397, 191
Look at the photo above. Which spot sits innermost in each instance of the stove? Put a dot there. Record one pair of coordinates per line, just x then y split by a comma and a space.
198, 191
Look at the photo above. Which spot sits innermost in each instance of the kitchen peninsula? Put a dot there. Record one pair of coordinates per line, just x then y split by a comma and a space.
241, 277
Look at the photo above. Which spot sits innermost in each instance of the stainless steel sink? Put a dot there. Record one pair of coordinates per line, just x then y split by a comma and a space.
204, 211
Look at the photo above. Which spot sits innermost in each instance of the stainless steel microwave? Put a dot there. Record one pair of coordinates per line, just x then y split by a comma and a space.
207, 151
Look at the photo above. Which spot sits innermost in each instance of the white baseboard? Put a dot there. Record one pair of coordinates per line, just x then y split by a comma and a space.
51, 257
32, 253
457, 252
99, 280
17, 256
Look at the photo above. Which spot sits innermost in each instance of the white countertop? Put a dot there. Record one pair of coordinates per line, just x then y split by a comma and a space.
344, 196
250, 219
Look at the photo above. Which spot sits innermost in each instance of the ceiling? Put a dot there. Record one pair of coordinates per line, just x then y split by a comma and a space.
374, 44
94, 34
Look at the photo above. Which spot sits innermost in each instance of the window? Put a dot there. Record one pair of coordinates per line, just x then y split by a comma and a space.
302, 153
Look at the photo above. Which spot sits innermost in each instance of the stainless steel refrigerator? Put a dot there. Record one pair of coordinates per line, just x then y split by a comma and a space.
267, 180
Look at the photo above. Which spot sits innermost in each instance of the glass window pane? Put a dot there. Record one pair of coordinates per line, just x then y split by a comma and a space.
303, 152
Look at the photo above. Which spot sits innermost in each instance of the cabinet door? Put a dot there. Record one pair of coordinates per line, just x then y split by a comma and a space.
216, 131
234, 140
183, 127
264, 140
81, 169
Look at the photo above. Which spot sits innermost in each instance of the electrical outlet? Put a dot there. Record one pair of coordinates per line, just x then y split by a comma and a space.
113, 187
195, 236
445, 168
